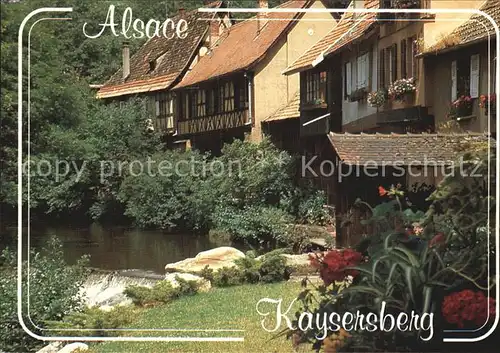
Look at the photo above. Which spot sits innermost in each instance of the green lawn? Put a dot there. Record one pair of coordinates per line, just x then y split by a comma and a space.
221, 308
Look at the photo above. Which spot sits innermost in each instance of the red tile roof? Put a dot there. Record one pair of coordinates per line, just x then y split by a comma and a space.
350, 27
360, 149
289, 111
243, 45
475, 29
173, 56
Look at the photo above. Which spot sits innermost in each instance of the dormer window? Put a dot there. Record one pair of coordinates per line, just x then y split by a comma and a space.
152, 65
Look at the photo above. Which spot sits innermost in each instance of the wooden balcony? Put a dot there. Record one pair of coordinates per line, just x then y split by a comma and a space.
222, 121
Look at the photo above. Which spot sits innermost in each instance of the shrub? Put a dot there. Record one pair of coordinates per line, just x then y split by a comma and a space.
95, 322
162, 292
274, 269
54, 293
269, 268
262, 225
228, 276
433, 263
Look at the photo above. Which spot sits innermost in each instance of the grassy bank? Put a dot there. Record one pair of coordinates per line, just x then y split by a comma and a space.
221, 308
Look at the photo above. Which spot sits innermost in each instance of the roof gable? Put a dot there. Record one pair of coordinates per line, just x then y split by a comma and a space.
476, 28
243, 45
169, 58
349, 28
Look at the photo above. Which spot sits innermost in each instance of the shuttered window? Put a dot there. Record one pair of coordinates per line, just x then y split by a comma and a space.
394, 73
453, 80
381, 69
362, 71
474, 76
404, 70
347, 80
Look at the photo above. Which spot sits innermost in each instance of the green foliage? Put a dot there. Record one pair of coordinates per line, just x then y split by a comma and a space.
413, 259
53, 294
162, 292
269, 268
94, 321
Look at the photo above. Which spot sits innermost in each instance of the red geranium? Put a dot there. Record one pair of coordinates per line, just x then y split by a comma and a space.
382, 191
468, 307
332, 265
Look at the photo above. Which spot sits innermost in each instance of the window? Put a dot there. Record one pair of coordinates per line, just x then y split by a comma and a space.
316, 87
212, 101
412, 60
465, 77
164, 110
197, 104
381, 69
243, 95
390, 64
362, 71
226, 97
404, 63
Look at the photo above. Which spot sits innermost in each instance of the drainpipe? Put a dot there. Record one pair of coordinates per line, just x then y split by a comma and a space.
249, 78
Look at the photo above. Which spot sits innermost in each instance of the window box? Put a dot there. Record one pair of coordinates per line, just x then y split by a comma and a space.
318, 104
358, 95
461, 107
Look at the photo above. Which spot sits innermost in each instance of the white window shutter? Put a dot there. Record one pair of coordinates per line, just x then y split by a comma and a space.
348, 77
157, 107
366, 66
474, 76
453, 80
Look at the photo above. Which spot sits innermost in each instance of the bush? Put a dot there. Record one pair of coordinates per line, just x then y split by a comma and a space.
161, 293
262, 225
268, 269
54, 293
420, 263
95, 321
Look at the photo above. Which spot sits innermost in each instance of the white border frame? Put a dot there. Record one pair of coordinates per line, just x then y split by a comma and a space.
242, 10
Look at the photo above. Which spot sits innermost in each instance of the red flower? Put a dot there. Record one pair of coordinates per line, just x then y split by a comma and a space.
332, 265
382, 191
438, 240
468, 307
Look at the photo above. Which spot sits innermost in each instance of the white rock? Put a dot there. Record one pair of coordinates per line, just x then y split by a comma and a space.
215, 259
51, 348
202, 284
74, 347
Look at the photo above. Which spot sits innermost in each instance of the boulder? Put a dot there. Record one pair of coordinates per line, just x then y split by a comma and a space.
298, 264
203, 284
215, 259
51, 348
74, 347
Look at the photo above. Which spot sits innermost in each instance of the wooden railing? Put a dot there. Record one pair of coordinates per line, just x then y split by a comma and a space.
222, 121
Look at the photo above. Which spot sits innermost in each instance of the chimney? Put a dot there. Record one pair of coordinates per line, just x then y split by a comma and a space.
126, 60
262, 17
182, 12
214, 31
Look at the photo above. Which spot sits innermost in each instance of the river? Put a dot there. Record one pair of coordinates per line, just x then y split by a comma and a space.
115, 248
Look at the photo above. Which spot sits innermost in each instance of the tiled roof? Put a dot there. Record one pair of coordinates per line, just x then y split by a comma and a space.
350, 27
243, 45
366, 149
290, 111
172, 58
475, 29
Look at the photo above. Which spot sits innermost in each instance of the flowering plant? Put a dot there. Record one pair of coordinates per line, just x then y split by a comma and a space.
467, 306
333, 265
461, 107
488, 102
399, 88
377, 99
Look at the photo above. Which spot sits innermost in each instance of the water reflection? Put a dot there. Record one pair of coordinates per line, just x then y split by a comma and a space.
120, 248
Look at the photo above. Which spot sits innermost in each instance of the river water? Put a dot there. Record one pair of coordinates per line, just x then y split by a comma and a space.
115, 248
